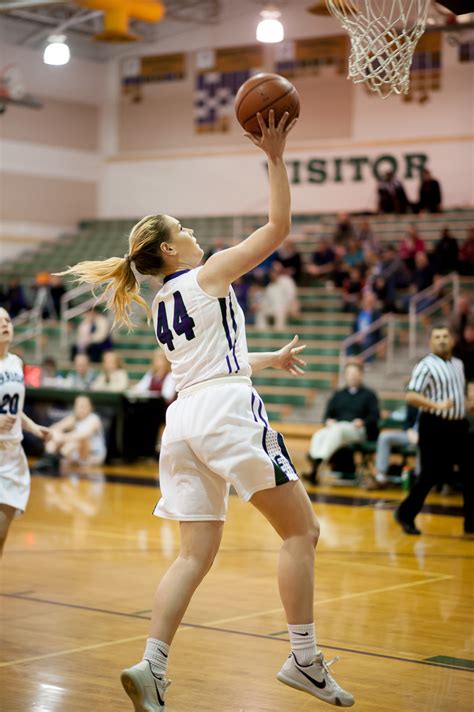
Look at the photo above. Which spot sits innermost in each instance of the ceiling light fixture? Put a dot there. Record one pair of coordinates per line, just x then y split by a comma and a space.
270, 29
57, 51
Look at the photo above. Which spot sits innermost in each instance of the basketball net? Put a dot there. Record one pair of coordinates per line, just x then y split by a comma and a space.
383, 36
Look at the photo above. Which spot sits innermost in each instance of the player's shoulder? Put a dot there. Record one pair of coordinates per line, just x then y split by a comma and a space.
13, 361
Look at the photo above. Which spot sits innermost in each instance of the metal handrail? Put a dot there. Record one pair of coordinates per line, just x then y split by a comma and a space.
433, 290
68, 313
389, 340
33, 318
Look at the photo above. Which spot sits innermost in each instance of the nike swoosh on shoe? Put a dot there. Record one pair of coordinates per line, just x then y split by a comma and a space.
160, 700
320, 685
303, 635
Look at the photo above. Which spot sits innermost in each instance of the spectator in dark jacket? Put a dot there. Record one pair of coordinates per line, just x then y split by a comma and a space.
446, 253
290, 259
430, 193
391, 195
323, 260
351, 417
466, 255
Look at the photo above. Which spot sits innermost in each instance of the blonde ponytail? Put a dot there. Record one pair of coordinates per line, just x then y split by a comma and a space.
122, 288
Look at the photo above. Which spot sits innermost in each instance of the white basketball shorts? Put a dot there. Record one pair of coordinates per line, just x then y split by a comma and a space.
217, 435
14, 475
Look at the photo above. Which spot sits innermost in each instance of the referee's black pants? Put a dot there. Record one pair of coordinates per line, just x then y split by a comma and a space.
442, 443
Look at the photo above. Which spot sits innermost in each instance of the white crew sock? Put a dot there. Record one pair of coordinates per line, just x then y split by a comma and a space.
303, 642
156, 652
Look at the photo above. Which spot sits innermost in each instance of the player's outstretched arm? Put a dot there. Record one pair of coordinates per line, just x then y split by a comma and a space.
286, 358
226, 266
40, 431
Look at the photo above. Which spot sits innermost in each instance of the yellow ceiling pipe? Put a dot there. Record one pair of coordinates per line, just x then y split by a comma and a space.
117, 14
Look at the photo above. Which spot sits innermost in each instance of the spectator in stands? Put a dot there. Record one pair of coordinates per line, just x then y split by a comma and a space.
351, 289
16, 301
464, 350
82, 377
77, 439
430, 194
279, 300
461, 316
353, 254
289, 257
366, 316
323, 260
446, 253
367, 238
93, 336
351, 417
395, 275
158, 378
391, 195
387, 441
344, 230
112, 377
466, 255
50, 377
421, 279
57, 291
410, 245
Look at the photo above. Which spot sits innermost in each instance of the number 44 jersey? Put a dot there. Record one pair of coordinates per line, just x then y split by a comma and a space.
203, 336
12, 394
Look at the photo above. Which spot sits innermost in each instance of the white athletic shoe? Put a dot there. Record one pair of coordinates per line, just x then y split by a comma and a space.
316, 680
146, 691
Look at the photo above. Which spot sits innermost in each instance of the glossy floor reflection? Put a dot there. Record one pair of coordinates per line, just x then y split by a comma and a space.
80, 568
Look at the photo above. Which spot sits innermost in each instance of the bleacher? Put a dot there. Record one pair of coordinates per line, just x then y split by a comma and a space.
321, 323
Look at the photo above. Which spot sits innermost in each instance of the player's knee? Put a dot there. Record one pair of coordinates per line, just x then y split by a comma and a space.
313, 533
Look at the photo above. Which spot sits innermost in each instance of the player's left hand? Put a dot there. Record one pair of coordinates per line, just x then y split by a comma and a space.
43, 433
287, 358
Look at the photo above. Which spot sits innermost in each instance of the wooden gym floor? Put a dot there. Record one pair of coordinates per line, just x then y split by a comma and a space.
80, 568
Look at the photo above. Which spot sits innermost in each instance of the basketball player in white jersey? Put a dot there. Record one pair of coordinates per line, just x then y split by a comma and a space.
217, 432
14, 472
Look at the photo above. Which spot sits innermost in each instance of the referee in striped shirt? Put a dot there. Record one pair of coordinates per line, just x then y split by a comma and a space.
437, 388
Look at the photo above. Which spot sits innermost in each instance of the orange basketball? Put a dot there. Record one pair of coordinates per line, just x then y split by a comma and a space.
261, 93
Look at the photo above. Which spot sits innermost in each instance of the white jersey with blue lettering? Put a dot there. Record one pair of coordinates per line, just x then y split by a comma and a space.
12, 394
202, 336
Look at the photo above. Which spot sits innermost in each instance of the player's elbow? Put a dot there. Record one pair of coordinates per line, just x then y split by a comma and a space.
280, 228
411, 398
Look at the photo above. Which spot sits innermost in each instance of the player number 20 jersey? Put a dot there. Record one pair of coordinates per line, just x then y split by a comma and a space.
203, 336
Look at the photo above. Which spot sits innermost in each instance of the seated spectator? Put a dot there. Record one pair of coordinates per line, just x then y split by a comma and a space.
410, 245
461, 316
367, 315
389, 439
422, 278
351, 289
50, 377
395, 275
391, 195
77, 439
464, 350
351, 417
16, 301
158, 379
93, 336
323, 260
366, 237
353, 255
279, 300
82, 377
344, 231
466, 255
430, 194
289, 257
446, 253
112, 376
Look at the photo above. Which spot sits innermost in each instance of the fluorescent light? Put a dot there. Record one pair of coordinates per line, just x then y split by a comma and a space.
270, 29
57, 52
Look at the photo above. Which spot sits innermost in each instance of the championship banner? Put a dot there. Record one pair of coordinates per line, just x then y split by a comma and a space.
136, 71
307, 57
425, 72
219, 74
